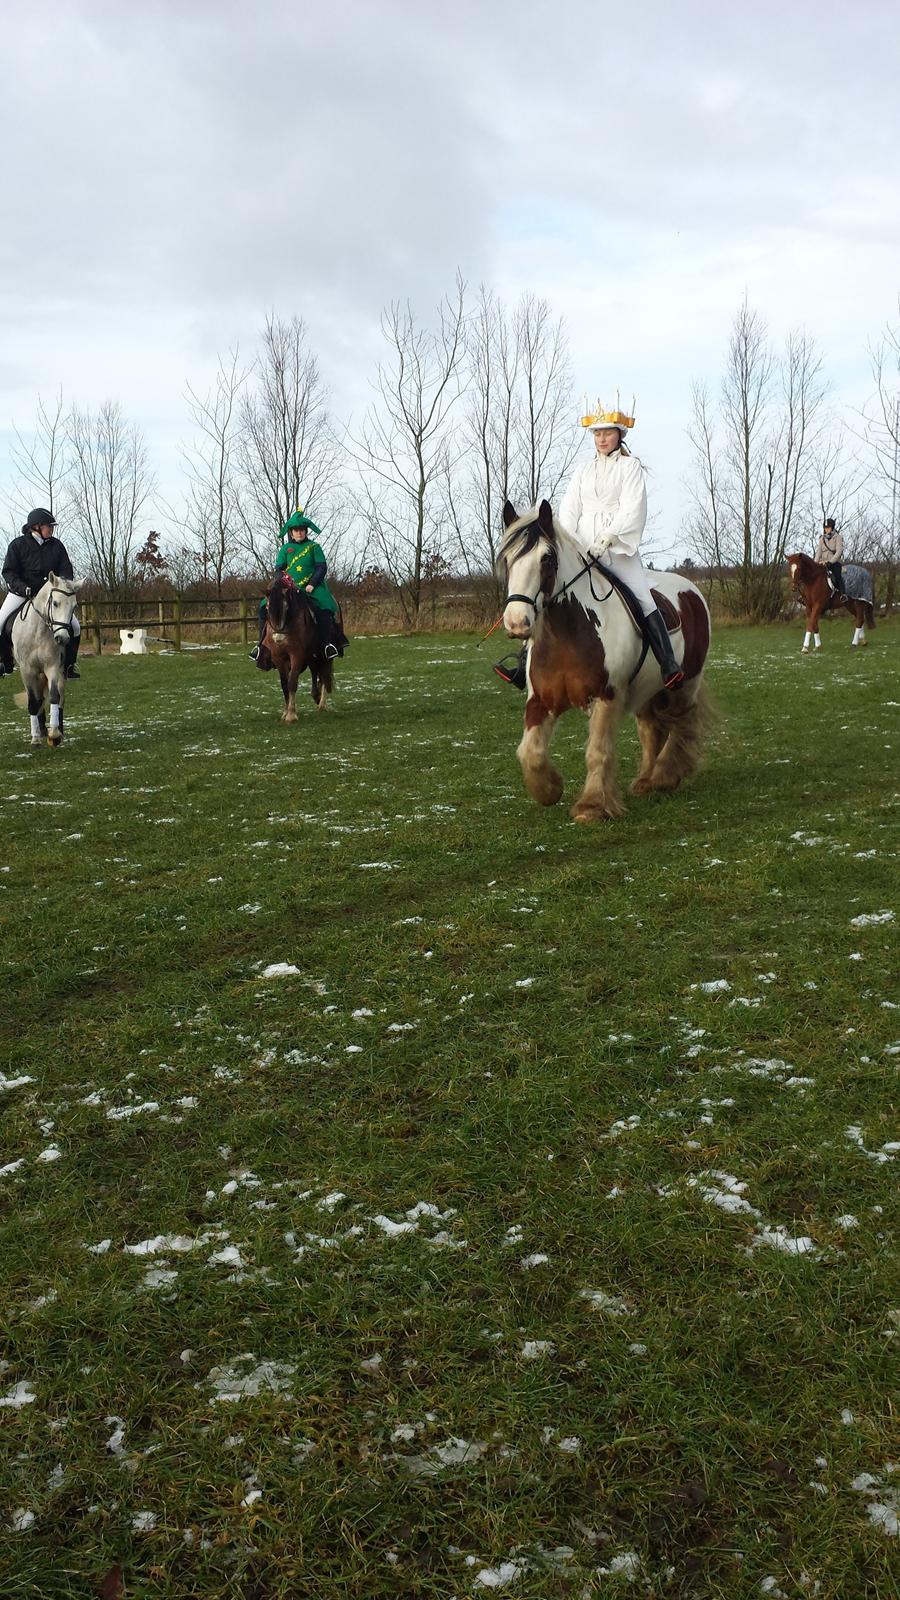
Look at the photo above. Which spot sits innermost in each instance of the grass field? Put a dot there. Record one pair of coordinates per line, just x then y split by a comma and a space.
535, 1234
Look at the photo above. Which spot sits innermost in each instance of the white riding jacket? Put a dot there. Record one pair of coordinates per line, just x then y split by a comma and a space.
605, 505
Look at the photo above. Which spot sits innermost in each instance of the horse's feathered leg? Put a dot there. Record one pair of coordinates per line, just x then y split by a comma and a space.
652, 739
600, 797
542, 780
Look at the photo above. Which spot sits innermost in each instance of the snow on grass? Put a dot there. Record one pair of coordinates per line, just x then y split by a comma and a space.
393, 1229
52, 1153
538, 1259
13, 1083
883, 1511
612, 1304
120, 1113
887, 1151
280, 969
245, 1378
715, 986
871, 919
22, 1520
21, 1394
535, 1349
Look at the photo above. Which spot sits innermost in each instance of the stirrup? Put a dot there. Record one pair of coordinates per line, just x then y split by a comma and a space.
331, 652
514, 675
254, 653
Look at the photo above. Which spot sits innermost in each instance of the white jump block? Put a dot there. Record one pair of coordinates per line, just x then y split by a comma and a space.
133, 642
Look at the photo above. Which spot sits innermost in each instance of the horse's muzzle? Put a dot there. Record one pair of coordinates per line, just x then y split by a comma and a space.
518, 621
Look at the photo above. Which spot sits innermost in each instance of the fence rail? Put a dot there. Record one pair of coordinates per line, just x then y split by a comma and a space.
168, 614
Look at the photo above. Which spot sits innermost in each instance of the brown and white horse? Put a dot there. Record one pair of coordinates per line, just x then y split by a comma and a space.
810, 580
292, 639
585, 651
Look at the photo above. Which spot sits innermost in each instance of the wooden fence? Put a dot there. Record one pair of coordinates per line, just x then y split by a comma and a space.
173, 615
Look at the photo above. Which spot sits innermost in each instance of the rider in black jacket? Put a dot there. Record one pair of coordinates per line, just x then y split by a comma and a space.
29, 562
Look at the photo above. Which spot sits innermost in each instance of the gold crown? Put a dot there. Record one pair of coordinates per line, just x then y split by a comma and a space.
599, 417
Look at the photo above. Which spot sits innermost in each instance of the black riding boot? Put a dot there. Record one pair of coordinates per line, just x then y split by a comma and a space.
260, 653
327, 640
516, 675
7, 664
661, 645
72, 656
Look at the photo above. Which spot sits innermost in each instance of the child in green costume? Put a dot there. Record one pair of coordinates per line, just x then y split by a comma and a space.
304, 561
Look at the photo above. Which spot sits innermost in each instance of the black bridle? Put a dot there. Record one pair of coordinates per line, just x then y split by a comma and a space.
589, 565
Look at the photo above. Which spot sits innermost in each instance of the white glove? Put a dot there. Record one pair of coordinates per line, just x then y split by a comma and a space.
599, 550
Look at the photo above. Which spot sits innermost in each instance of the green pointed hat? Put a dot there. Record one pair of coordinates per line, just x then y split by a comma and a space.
298, 523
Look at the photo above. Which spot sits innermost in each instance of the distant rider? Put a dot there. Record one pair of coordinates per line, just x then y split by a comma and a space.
30, 559
304, 561
830, 554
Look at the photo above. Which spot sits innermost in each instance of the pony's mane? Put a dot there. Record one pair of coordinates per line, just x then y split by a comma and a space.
524, 535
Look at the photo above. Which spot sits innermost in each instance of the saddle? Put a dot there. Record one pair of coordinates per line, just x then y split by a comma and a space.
20, 611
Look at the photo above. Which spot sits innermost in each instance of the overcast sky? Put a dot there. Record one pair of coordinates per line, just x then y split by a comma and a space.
174, 171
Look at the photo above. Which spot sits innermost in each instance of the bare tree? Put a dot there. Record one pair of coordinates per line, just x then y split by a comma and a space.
518, 422
41, 459
110, 483
213, 512
545, 426
750, 488
883, 437
406, 450
286, 451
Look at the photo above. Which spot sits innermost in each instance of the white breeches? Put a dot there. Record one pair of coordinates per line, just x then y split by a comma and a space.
631, 570
15, 602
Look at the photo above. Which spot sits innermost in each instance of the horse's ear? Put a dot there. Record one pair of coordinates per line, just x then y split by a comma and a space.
545, 518
510, 514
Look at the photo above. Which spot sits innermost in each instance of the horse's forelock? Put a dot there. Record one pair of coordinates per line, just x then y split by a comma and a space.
523, 536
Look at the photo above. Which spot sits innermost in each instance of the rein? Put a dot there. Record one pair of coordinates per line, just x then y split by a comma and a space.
588, 562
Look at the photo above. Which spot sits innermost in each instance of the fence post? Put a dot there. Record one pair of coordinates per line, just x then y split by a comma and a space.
177, 629
98, 637
161, 615
245, 638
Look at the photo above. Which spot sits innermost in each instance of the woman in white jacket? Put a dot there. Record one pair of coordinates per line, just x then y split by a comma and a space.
604, 509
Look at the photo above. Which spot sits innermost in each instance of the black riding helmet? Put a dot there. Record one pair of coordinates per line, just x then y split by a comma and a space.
40, 517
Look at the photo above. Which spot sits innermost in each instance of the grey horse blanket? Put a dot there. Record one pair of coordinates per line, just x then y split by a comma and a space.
857, 583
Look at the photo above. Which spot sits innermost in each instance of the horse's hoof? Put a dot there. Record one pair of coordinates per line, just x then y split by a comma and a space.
641, 786
53, 739
289, 716
596, 813
547, 790
37, 744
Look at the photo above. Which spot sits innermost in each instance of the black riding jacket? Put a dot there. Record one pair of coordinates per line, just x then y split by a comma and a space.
29, 563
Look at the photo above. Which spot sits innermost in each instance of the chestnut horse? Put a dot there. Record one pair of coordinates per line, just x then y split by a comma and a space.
292, 639
585, 651
810, 580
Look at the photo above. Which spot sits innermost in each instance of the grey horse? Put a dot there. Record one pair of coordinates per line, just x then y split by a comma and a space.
40, 633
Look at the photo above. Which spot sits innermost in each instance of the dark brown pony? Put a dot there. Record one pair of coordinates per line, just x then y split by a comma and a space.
292, 639
810, 581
